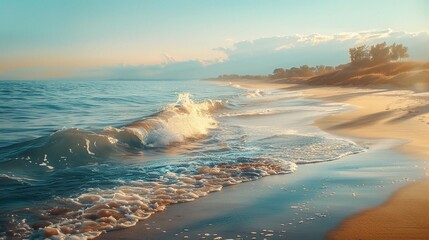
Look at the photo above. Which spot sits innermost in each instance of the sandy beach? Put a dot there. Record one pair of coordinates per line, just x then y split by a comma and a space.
385, 114
382, 113
319, 196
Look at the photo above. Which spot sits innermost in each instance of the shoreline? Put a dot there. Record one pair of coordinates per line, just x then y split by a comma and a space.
380, 114
302, 205
404, 214
162, 224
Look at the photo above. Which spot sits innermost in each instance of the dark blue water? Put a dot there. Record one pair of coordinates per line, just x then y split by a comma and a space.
82, 157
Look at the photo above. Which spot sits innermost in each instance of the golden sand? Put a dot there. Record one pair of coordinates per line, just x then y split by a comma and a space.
387, 114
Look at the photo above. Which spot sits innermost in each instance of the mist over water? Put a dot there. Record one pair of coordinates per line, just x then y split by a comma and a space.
79, 158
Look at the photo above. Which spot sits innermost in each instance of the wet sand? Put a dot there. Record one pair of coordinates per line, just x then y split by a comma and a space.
318, 197
302, 205
388, 114
382, 113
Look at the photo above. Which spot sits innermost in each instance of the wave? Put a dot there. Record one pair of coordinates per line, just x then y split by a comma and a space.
88, 214
257, 112
235, 85
8, 180
254, 93
308, 148
178, 122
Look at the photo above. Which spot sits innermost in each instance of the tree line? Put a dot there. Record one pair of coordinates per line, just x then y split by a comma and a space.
237, 76
360, 56
303, 71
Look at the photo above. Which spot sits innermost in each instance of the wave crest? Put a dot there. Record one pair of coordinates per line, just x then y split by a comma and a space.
178, 122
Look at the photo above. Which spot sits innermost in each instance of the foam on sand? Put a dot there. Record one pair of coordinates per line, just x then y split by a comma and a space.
88, 215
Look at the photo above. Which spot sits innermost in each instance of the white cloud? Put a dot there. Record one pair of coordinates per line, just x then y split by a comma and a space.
342, 40
364, 36
169, 59
314, 39
283, 47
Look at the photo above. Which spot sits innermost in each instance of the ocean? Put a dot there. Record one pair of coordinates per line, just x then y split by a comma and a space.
78, 158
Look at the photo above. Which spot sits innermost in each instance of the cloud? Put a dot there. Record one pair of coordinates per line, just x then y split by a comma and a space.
169, 59
347, 39
283, 47
362, 37
257, 56
260, 56
314, 39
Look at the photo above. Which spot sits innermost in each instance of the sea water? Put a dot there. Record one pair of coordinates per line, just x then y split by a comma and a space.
78, 158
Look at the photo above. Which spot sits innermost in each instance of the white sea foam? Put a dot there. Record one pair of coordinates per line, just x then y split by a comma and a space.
87, 142
176, 122
308, 148
91, 213
256, 112
235, 85
6, 177
254, 93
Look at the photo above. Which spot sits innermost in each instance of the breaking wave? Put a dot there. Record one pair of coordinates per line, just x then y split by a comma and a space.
178, 122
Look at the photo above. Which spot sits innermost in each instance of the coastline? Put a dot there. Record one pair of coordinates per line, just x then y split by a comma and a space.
380, 114
181, 221
303, 205
404, 214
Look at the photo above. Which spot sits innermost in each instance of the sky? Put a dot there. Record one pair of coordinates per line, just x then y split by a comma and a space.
86, 39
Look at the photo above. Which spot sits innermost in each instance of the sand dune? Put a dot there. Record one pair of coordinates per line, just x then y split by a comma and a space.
409, 75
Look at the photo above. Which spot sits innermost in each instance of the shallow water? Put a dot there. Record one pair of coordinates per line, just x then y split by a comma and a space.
79, 158
304, 205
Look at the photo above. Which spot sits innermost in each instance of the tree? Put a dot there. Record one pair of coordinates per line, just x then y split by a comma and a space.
305, 71
322, 69
380, 53
279, 71
398, 51
359, 55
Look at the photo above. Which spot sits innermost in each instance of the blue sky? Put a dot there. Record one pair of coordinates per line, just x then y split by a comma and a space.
67, 39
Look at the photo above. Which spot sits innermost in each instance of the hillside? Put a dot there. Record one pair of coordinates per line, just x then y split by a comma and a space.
407, 75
